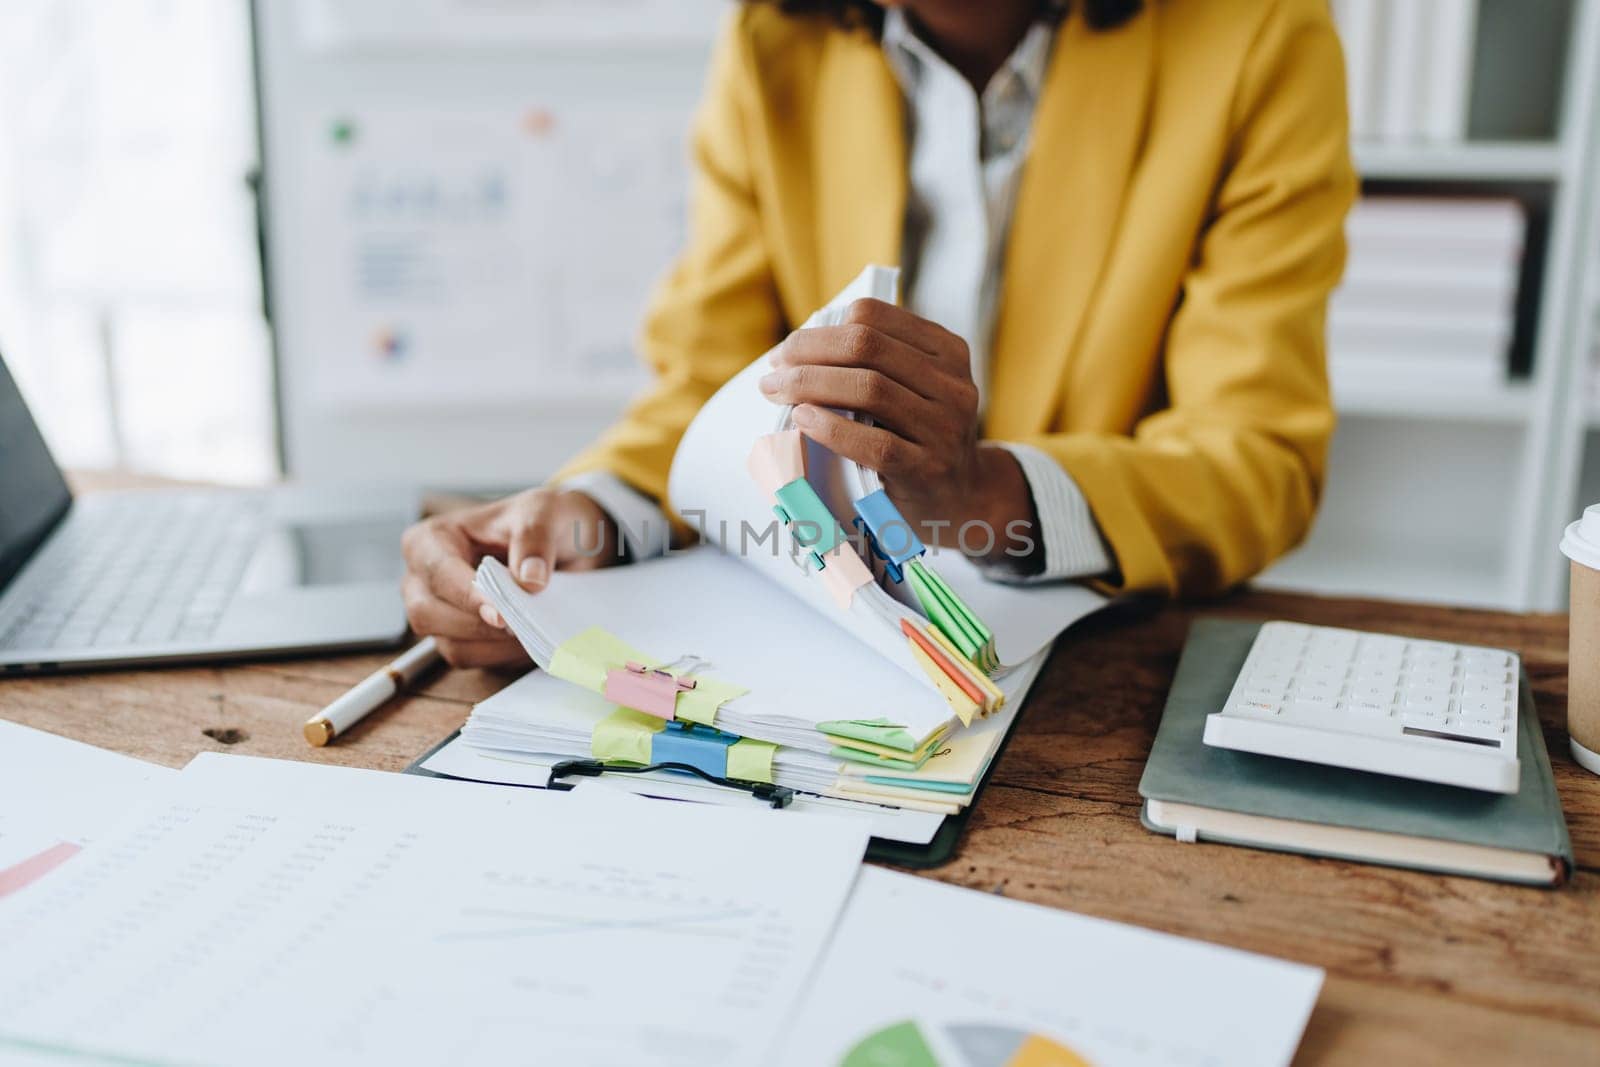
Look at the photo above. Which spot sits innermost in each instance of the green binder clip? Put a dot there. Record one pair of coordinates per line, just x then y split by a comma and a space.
809, 519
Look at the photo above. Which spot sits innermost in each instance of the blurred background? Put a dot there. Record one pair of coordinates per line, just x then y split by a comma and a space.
410, 240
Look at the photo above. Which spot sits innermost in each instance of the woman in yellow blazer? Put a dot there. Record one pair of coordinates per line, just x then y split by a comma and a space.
1159, 325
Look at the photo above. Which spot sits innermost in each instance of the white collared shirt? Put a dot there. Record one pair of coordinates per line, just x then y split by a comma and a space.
966, 157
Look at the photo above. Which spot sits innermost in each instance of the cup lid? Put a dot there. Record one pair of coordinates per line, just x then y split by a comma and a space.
1581, 542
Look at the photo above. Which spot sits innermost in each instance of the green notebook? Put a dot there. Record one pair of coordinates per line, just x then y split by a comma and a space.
1200, 793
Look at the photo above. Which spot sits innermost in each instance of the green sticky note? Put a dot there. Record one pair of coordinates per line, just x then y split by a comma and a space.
700, 704
878, 731
946, 614
751, 760
625, 735
856, 755
585, 659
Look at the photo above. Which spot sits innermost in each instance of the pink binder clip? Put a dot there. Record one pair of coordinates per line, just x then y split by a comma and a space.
646, 689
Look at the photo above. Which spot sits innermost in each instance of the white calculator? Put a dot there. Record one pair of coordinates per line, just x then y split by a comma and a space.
1392, 705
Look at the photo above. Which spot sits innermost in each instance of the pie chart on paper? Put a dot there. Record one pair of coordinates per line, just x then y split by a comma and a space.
905, 1044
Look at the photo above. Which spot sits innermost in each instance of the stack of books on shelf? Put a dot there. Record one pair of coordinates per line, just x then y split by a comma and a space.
1409, 67
1429, 294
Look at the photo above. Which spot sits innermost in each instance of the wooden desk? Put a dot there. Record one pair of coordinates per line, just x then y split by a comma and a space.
1421, 968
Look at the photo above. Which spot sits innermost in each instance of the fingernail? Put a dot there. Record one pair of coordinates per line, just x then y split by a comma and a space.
769, 382
533, 571
491, 616
804, 415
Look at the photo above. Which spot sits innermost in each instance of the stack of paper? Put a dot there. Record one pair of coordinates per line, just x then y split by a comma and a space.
813, 686
252, 911
266, 912
921, 974
57, 795
743, 658
1409, 67
1429, 293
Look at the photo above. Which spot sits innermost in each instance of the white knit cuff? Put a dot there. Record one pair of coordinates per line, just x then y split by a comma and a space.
640, 520
1073, 546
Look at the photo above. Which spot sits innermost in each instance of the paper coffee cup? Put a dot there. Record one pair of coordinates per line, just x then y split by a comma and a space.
1581, 545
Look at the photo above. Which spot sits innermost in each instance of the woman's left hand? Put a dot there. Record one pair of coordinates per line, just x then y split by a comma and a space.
914, 378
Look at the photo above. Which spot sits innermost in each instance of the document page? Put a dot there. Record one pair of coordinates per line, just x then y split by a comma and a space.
922, 974
269, 912
56, 795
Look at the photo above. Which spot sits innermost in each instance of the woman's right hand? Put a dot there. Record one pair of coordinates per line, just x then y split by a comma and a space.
535, 533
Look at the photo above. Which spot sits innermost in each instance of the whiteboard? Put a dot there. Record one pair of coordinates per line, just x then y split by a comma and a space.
466, 205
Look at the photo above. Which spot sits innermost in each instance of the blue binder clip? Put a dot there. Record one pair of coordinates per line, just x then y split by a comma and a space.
890, 535
704, 747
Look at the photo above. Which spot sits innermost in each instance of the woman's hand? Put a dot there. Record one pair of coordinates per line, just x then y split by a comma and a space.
535, 533
914, 378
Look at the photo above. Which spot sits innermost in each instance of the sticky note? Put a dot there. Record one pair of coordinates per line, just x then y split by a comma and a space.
625, 735
751, 760
996, 696
868, 748
843, 573
700, 704
960, 702
585, 659
878, 731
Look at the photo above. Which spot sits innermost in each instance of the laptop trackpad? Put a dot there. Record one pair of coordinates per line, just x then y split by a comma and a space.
293, 555
310, 580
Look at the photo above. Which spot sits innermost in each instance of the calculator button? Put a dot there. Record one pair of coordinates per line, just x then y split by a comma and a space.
1483, 709
1373, 692
1428, 704
1429, 683
1370, 708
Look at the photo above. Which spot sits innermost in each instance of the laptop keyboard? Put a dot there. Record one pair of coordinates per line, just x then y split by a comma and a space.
145, 569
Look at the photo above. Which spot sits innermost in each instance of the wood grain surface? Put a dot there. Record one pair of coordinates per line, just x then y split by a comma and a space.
1421, 968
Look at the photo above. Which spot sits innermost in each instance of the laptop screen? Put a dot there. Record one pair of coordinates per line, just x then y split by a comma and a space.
33, 494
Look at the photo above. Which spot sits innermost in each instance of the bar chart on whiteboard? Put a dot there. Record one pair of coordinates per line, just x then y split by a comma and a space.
497, 252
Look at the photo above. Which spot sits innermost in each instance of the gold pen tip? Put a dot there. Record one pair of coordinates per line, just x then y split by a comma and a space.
319, 732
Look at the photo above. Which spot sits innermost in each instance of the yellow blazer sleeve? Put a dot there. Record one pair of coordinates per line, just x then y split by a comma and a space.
718, 307
1209, 490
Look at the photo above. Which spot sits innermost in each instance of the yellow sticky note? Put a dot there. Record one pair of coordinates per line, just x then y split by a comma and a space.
964, 706
996, 696
625, 735
585, 659
700, 704
751, 760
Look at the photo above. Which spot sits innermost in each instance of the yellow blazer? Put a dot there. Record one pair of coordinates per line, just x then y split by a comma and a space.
1161, 325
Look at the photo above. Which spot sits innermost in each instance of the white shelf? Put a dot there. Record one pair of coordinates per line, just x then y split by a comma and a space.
1509, 403
1481, 160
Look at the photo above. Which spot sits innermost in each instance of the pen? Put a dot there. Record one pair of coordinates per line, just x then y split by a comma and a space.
371, 693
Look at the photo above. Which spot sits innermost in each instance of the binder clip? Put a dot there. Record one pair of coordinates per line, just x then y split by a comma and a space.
647, 689
808, 518
778, 796
881, 521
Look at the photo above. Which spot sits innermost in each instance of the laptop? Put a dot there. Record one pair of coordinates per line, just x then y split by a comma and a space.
166, 576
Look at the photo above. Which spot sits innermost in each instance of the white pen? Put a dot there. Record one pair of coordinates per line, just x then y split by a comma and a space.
371, 694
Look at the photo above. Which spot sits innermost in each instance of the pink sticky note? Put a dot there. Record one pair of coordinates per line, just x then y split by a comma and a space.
652, 692
36, 867
789, 454
843, 573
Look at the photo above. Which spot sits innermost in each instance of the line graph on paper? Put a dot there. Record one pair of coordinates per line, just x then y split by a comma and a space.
591, 916
501, 924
